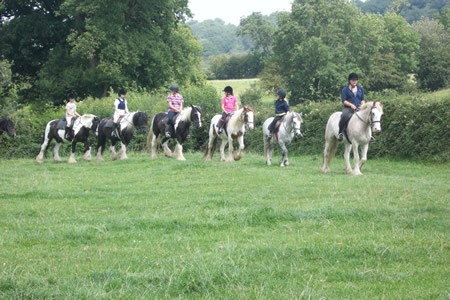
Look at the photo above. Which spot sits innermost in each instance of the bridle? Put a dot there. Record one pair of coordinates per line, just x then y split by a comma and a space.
246, 121
371, 122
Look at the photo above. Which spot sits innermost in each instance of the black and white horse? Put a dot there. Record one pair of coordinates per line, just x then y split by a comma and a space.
7, 125
128, 125
56, 129
179, 131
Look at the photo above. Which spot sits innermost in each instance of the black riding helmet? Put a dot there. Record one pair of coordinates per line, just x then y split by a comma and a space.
122, 92
281, 93
228, 89
352, 76
70, 96
174, 88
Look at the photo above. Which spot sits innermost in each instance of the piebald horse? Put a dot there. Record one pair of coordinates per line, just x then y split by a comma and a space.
289, 127
359, 131
128, 125
234, 129
81, 127
179, 131
7, 125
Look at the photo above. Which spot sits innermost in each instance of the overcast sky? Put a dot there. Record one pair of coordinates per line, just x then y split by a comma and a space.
231, 11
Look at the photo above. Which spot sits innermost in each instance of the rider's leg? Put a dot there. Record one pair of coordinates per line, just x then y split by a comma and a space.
221, 122
347, 113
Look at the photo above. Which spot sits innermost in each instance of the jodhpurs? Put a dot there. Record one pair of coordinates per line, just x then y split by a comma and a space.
347, 113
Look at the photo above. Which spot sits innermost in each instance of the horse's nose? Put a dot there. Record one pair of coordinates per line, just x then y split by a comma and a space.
377, 129
300, 135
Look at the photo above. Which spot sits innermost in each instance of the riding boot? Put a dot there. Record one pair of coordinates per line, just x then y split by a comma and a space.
167, 131
67, 134
340, 136
372, 140
114, 131
220, 126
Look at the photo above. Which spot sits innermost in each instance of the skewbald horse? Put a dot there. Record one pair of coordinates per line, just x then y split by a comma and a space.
7, 125
234, 129
81, 127
179, 131
359, 131
128, 125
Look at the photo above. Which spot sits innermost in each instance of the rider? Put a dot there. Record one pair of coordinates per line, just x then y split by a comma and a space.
281, 108
175, 101
71, 115
121, 108
352, 97
229, 105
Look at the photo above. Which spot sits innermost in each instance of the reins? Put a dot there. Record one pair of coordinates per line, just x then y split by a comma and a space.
371, 121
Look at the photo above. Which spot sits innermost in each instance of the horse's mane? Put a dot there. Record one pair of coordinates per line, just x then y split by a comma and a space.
237, 114
366, 105
185, 113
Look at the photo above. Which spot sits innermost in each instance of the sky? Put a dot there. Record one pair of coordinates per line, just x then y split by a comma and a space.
231, 11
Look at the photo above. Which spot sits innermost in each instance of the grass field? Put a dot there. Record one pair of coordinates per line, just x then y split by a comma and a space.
162, 228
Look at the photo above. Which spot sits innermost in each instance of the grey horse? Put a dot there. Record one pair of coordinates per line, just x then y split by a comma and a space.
289, 127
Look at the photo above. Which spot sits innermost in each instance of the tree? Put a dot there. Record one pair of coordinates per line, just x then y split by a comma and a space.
89, 46
434, 54
261, 32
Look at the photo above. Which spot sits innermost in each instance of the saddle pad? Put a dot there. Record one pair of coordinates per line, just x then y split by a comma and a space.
62, 124
109, 123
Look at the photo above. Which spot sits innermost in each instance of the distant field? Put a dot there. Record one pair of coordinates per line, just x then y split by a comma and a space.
163, 229
238, 85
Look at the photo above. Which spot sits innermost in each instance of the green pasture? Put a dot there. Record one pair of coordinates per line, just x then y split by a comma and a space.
142, 228
239, 86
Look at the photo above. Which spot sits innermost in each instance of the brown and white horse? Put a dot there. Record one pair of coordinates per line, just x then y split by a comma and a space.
359, 131
81, 127
234, 129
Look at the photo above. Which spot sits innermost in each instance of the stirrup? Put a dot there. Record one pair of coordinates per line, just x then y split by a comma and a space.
340, 136
372, 140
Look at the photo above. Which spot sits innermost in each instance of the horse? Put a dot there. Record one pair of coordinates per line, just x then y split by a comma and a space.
234, 129
179, 131
128, 125
289, 127
359, 131
7, 125
55, 129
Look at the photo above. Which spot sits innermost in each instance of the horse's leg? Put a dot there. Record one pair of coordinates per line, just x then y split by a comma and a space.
72, 153
364, 149
56, 152
356, 170
112, 149
240, 152
222, 149
268, 150
348, 166
44, 146
100, 145
326, 153
283, 154
154, 146
230, 149
87, 151
212, 136
167, 151
179, 151
123, 151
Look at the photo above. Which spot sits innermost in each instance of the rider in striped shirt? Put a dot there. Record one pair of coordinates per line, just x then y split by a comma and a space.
175, 101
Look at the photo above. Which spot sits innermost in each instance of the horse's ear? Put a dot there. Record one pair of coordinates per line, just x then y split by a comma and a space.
374, 102
192, 106
381, 103
253, 107
301, 114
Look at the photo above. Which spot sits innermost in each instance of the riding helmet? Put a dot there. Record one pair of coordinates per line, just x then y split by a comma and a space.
281, 93
174, 88
122, 92
70, 96
228, 89
352, 76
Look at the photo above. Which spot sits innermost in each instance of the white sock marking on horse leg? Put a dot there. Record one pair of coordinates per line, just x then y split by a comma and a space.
72, 158
56, 152
87, 155
99, 156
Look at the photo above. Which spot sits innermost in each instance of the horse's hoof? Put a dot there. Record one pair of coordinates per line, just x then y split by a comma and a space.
286, 164
350, 171
268, 163
154, 156
325, 170
181, 158
99, 160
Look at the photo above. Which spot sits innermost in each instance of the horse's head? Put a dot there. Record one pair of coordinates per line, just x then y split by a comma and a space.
297, 121
375, 116
249, 116
196, 115
95, 122
140, 121
10, 127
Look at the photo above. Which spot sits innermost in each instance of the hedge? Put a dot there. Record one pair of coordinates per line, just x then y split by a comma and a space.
414, 126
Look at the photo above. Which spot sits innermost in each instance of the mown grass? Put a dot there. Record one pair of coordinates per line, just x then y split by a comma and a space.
162, 228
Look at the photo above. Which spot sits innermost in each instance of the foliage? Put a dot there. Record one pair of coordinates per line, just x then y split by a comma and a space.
411, 10
218, 38
434, 54
235, 66
252, 96
163, 229
87, 47
261, 32
317, 46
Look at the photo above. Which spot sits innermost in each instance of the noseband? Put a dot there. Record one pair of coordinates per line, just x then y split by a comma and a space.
371, 122
246, 121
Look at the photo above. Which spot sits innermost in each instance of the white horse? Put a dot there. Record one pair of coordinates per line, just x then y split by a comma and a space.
55, 129
359, 131
234, 129
289, 127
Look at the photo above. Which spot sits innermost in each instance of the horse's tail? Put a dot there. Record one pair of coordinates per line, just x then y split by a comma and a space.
265, 146
333, 148
150, 136
213, 148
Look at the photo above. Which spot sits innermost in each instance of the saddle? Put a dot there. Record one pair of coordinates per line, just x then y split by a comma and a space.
62, 124
277, 125
109, 123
